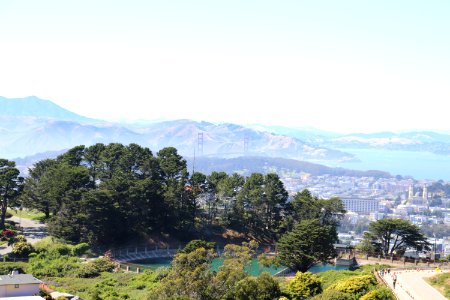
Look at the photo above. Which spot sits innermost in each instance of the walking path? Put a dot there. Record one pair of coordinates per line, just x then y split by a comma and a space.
34, 231
411, 285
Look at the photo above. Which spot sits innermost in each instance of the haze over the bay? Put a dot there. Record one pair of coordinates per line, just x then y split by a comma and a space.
336, 65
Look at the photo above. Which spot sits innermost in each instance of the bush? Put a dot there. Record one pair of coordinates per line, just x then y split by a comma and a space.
333, 295
53, 246
80, 249
356, 285
95, 268
22, 249
20, 238
7, 267
7, 233
382, 293
304, 285
8, 215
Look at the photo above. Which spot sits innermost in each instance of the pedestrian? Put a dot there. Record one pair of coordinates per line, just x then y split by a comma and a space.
389, 271
394, 281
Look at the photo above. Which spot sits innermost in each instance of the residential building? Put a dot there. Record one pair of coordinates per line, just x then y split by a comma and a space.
15, 285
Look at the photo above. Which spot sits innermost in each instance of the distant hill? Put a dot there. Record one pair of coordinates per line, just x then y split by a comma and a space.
287, 167
38, 108
423, 141
32, 125
418, 141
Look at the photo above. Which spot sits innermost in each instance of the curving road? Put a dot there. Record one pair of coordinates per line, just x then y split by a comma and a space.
411, 285
34, 231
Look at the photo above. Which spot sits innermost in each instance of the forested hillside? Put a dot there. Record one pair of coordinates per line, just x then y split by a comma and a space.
105, 194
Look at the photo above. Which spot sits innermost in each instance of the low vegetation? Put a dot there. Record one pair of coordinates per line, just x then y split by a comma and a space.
442, 283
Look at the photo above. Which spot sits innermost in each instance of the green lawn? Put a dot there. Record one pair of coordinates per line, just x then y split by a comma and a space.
28, 214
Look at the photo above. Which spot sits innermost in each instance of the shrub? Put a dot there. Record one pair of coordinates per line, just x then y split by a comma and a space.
382, 293
268, 288
53, 246
8, 215
20, 238
333, 295
7, 233
80, 249
304, 285
22, 249
7, 267
356, 286
95, 268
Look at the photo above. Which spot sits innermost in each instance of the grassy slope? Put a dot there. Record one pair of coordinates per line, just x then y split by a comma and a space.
111, 285
27, 214
442, 283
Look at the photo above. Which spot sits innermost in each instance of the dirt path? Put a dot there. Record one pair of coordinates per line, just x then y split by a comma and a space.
34, 231
411, 285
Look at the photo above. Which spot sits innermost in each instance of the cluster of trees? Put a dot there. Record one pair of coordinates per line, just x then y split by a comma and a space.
441, 188
104, 194
313, 234
190, 276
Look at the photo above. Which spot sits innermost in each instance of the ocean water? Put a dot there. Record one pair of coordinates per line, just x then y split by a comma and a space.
420, 165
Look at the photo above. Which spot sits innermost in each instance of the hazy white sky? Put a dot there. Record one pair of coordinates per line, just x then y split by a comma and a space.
337, 65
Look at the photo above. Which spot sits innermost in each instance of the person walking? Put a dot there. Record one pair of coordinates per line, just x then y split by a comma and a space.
394, 281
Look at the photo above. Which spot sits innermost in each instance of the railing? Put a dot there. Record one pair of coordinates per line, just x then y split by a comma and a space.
284, 273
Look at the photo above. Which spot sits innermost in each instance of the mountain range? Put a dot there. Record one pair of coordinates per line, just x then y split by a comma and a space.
31, 128
45, 127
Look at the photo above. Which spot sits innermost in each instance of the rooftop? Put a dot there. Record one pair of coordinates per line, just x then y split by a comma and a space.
18, 279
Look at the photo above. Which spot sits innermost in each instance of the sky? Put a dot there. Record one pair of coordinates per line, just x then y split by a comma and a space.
343, 66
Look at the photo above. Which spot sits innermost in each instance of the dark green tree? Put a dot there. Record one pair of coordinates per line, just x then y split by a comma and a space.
308, 243
36, 188
227, 190
398, 233
213, 199
275, 199
178, 199
305, 206
10, 187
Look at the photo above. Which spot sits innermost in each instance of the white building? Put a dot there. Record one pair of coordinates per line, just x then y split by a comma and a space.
361, 205
15, 285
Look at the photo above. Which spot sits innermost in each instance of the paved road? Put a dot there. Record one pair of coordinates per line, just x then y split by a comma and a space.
411, 285
34, 231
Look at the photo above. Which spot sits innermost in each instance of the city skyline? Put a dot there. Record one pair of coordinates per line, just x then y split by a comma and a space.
343, 67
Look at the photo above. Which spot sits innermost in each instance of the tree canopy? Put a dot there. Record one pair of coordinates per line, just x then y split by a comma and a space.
391, 235
104, 194
10, 187
308, 243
